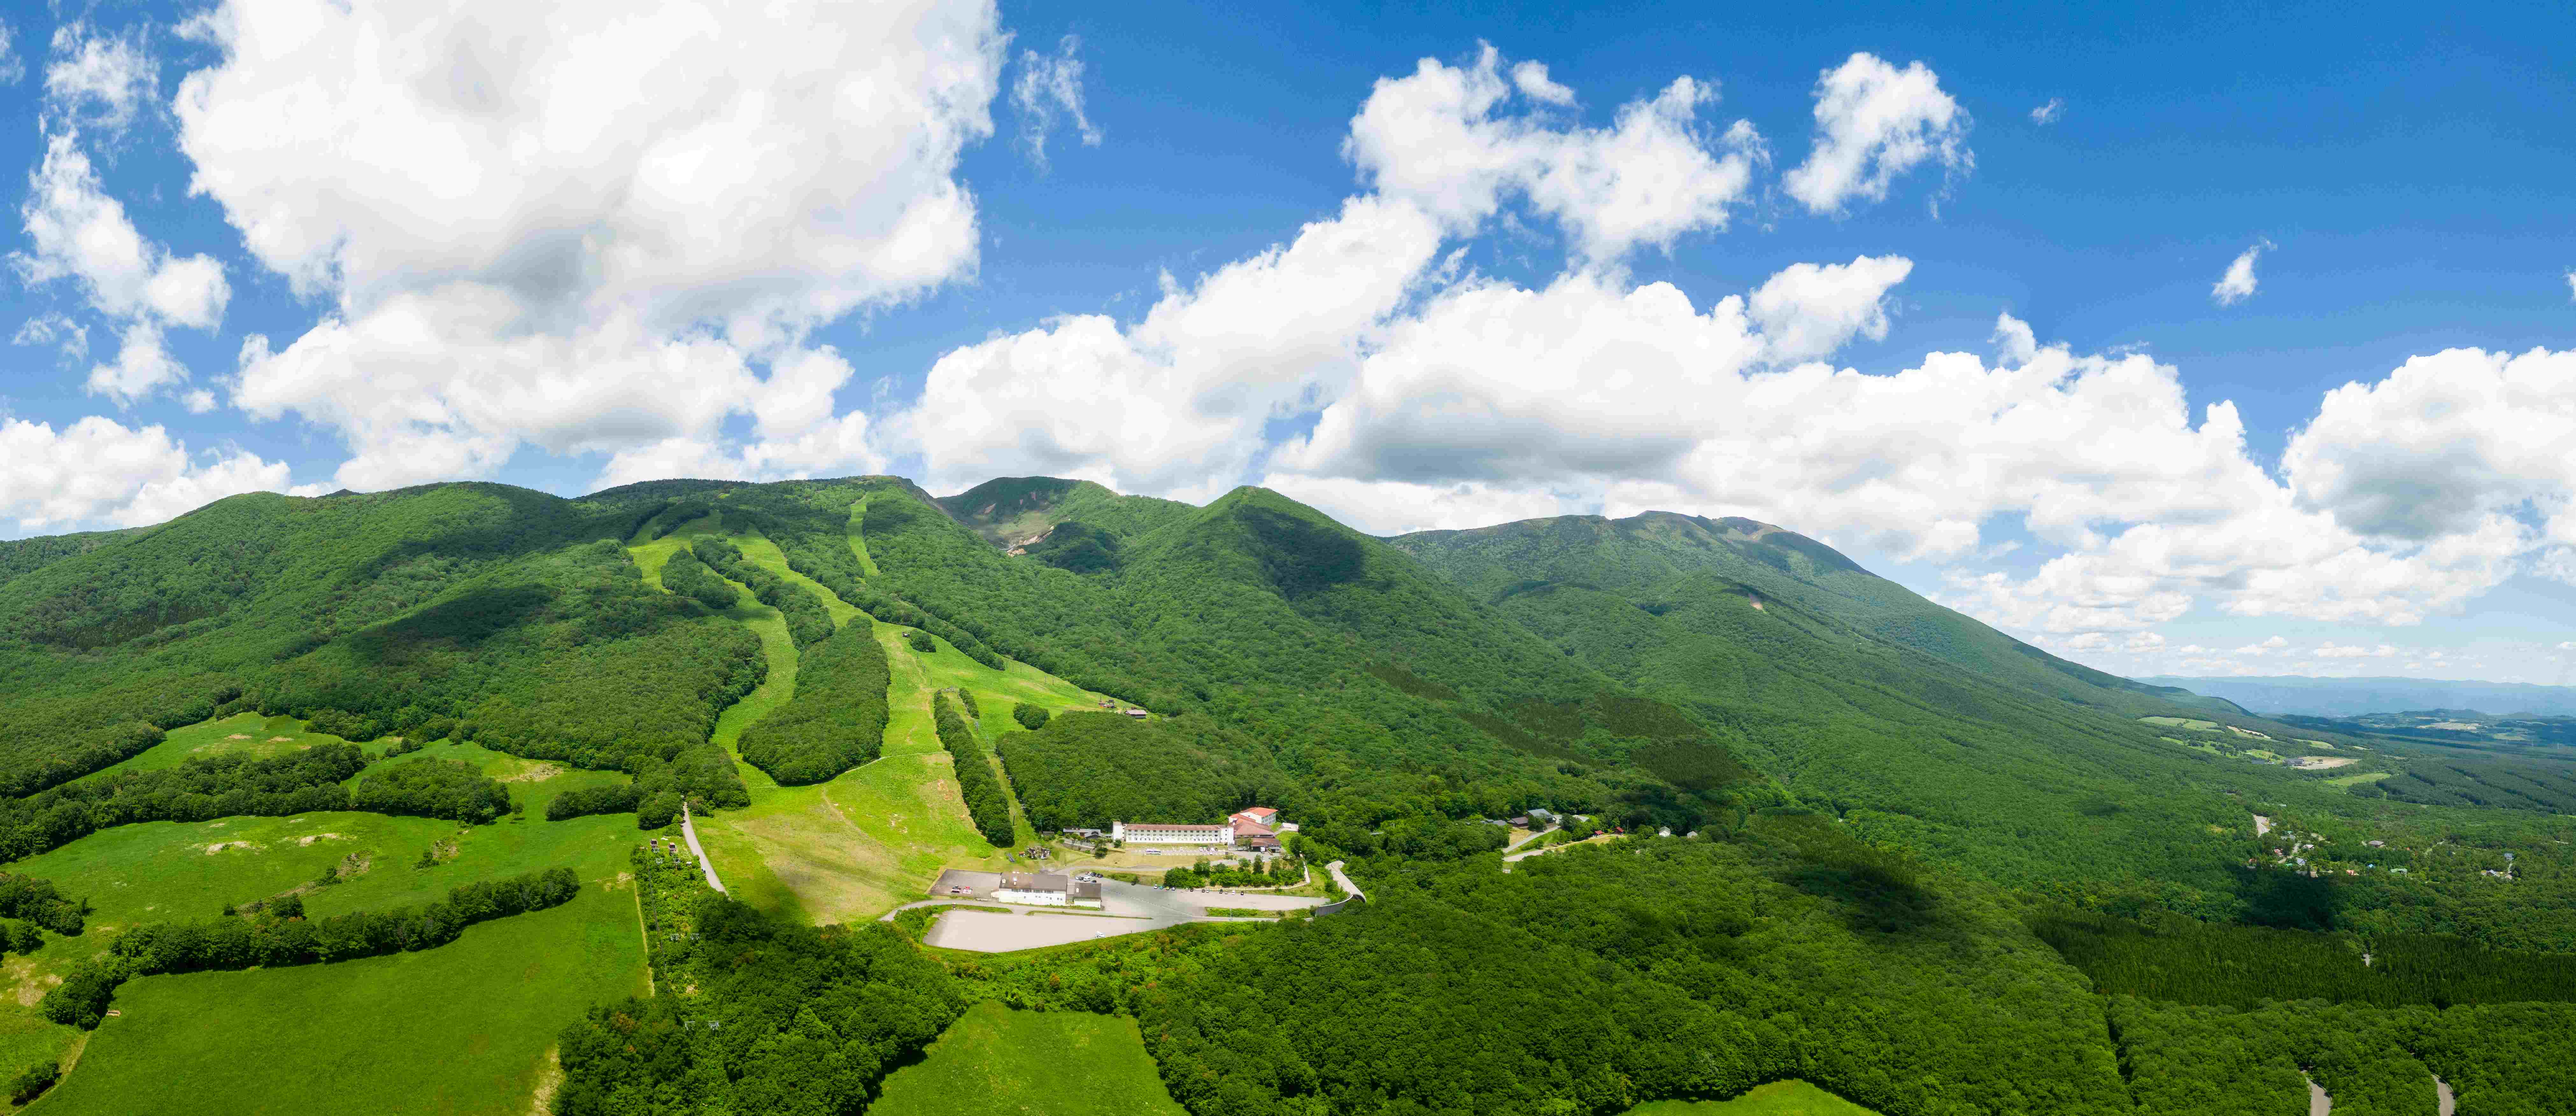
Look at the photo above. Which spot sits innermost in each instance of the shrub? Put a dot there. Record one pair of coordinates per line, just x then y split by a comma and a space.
1031, 717
33, 1083
920, 641
658, 811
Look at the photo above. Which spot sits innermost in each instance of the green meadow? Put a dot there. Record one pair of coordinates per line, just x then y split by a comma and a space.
1778, 1098
1033, 1063
464, 1028
253, 1027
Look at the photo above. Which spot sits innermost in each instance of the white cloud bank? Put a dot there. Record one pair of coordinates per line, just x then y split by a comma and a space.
98, 470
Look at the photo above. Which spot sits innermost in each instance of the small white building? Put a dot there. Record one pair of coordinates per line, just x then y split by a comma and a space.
1047, 889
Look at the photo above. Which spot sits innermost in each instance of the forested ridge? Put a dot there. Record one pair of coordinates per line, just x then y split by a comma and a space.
1918, 863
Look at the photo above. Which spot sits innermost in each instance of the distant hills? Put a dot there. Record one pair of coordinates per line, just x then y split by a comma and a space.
2355, 697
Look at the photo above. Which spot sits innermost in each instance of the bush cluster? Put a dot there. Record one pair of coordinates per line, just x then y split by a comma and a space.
432, 788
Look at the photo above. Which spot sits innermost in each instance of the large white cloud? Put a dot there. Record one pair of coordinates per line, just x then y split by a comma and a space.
583, 226
2443, 443
1179, 403
97, 469
1445, 138
1875, 122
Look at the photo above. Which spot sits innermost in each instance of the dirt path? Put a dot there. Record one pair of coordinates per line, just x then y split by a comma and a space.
2319, 1104
1336, 869
2442, 1096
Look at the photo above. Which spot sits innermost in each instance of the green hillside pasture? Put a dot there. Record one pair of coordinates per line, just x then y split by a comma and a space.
464, 1028
157, 871
1779, 1098
2183, 723
240, 734
867, 841
1056, 1063
2350, 781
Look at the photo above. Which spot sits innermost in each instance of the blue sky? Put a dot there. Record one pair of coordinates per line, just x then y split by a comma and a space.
571, 245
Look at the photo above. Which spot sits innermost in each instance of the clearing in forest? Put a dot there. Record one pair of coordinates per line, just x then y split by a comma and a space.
1778, 1098
2183, 723
1051, 1063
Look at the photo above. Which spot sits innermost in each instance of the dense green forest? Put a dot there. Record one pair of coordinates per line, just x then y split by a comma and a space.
837, 718
1087, 769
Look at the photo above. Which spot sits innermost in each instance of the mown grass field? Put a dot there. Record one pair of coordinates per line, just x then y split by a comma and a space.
174, 870
464, 1028
1063, 1063
240, 734
1777, 1098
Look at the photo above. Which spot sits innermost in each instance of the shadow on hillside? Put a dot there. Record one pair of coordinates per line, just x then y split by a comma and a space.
2273, 897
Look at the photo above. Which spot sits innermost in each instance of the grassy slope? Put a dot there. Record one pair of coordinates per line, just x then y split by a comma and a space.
1779, 1098
1061, 1063
859, 845
283, 1033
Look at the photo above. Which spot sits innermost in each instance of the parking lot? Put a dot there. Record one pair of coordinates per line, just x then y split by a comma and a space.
1125, 908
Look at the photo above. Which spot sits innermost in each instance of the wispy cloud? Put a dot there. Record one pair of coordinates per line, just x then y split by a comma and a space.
1049, 90
2048, 113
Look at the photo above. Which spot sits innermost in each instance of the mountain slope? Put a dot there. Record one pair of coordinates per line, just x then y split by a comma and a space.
1377, 686
1635, 556
1916, 724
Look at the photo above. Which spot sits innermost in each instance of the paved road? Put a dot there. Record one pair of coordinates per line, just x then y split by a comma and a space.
689, 829
1336, 869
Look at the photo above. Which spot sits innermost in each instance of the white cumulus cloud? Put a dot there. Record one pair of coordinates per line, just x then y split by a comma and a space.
2238, 283
586, 227
2048, 113
1809, 310
1875, 122
96, 469
78, 233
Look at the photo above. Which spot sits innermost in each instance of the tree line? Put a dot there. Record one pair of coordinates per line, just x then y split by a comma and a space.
241, 943
836, 720
985, 801
202, 788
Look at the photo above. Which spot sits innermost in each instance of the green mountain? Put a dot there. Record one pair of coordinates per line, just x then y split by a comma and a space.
1911, 860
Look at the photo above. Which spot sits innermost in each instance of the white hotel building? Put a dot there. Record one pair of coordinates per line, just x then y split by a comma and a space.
1159, 833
